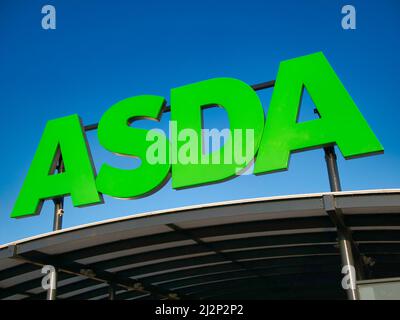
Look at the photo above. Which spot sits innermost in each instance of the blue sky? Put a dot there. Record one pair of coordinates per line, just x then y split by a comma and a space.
105, 51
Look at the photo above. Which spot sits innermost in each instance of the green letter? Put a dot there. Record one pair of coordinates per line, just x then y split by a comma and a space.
244, 111
64, 136
341, 122
117, 136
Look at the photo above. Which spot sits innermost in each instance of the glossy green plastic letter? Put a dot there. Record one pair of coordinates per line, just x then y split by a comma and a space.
63, 135
118, 137
341, 122
244, 112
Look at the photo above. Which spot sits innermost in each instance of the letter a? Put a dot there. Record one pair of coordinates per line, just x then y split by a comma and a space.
49, 20
341, 122
63, 136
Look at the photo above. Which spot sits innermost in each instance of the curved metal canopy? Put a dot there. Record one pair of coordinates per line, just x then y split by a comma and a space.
280, 247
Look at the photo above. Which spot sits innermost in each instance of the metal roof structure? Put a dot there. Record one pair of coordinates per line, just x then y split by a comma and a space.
279, 247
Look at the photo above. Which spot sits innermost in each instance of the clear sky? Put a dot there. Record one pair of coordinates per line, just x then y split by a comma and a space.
105, 51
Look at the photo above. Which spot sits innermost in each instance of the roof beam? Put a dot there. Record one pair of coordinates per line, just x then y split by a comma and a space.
41, 259
210, 247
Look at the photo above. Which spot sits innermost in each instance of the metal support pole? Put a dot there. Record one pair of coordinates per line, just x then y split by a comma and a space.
346, 254
52, 291
344, 238
59, 202
111, 292
333, 171
345, 243
58, 213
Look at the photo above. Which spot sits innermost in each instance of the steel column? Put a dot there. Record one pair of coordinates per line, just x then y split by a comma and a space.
344, 238
58, 202
333, 171
58, 213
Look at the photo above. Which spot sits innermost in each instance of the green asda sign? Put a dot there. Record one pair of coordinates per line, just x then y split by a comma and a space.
272, 140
